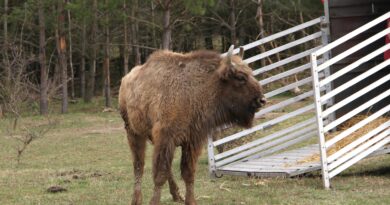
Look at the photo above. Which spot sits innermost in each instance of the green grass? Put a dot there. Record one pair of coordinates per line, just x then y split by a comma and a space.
87, 153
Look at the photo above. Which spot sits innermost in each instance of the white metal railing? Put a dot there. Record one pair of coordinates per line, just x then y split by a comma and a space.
373, 140
298, 130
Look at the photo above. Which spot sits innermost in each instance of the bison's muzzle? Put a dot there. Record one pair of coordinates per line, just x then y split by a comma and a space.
258, 103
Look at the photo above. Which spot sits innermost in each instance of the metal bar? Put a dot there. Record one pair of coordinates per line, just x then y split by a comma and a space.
320, 123
264, 139
325, 40
381, 151
354, 65
282, 146
353, 33
283, 47
255, 169
285, 61
355, 80
357, 126
355, 143
353, 49
292, 114
326, 11
357, 110
359, 157
264, 146
358, 149
288, 87
278, 35
263, 125
276, 164
287, 73
210, 151
285, 103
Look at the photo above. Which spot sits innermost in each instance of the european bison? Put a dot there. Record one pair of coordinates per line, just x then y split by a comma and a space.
175, 100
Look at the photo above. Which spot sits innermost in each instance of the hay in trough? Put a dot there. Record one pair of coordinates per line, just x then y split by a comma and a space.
348, 139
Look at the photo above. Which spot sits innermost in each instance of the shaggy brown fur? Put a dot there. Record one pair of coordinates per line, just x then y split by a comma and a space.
176, 100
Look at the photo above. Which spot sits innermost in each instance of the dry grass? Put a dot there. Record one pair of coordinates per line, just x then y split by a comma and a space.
350, 138
267, 117
88, 155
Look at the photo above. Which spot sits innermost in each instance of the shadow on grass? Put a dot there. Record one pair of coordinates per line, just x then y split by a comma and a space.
383, 171
379, 172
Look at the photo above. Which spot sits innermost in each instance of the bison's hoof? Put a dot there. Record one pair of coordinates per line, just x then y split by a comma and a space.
178, 198
136, 202
191, 202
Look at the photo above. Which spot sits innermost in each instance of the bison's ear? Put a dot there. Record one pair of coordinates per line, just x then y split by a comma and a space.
241, 54
227, 69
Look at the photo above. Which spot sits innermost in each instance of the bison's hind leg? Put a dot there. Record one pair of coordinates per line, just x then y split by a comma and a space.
164, 148
189, 158
137, 145
174, 189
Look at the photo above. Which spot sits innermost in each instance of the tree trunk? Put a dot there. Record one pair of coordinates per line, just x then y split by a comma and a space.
106, 66
61, 49
43, 103
126, 41
208, 41
6, 45
134, 33
91, 75
153, 9
233, 35
82, 67
72, 95
259, 18
167, 29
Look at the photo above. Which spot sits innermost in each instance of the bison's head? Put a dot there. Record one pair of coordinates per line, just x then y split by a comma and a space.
242, 95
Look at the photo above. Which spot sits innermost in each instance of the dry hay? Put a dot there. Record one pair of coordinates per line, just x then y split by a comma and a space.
350, 138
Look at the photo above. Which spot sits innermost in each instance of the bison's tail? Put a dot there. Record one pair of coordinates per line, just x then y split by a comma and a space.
125, 117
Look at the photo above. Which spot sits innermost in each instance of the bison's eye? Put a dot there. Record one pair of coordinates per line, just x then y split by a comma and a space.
240, 78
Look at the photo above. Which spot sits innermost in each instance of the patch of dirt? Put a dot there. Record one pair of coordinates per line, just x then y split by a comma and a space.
56, 189
76, 174
103, 130
108, 109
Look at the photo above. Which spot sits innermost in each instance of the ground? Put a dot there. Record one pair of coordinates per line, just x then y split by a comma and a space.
87, 154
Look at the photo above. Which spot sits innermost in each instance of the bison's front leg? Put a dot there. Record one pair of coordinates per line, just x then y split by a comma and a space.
189, 160
163, 153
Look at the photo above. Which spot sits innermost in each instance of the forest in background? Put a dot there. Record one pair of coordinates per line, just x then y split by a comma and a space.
75, 50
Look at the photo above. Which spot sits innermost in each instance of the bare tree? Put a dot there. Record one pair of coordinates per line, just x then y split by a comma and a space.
14, 97
61, 50
42, 60
18, 91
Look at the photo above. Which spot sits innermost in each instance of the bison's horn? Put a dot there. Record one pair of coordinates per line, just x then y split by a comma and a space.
241, 54
230, 53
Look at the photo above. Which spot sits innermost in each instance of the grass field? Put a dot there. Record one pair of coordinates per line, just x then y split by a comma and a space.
87, 153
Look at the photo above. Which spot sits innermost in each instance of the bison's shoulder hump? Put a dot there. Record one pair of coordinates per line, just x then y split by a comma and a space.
204, 54
195, 55
163, 55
